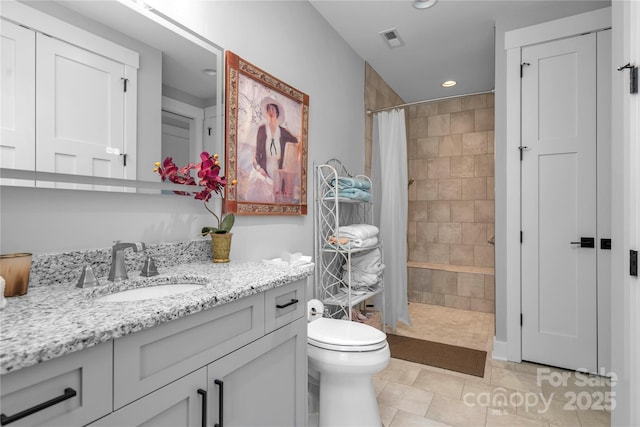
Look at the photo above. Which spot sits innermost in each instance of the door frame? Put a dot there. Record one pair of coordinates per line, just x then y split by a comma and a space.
625, 295
599, 19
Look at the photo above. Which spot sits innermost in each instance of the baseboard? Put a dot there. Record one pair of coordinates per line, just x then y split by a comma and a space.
499, 350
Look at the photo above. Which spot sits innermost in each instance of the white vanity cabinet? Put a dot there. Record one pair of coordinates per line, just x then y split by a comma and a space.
249, 355
72, 390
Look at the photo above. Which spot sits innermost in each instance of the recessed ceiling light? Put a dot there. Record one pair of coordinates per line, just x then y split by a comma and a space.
449, 83
424, 4
209, 72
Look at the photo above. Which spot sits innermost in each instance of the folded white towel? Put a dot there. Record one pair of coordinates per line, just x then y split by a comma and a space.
363, 243
358, 231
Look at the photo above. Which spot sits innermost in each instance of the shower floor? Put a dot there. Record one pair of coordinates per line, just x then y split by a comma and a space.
470, 329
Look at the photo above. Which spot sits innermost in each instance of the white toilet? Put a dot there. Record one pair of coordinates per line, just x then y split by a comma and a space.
343, 356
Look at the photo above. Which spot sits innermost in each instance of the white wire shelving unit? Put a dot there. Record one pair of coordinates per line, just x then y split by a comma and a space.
333, 287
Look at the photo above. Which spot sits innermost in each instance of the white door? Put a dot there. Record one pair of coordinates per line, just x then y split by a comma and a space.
17, 84
559, 276
80, 110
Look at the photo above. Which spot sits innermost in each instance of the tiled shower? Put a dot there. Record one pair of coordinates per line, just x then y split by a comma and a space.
451, 198
451, 202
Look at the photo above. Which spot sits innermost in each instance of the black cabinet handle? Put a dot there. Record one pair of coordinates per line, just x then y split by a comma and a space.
293, 301
220, 402
68, 394
203, 393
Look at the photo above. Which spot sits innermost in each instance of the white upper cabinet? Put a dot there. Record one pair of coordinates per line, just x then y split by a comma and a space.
17, 116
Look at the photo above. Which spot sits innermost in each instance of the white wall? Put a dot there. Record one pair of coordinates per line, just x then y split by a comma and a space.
287, 39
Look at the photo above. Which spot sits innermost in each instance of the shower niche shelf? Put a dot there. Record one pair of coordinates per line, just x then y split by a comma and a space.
347, 275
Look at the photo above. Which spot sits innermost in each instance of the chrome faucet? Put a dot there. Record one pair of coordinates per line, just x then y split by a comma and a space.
118, 271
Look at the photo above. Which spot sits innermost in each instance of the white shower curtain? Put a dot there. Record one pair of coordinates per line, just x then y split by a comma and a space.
389, 177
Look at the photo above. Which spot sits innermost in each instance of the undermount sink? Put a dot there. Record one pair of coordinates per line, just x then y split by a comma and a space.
150, 292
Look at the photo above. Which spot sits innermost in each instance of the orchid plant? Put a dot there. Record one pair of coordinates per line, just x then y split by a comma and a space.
208, 173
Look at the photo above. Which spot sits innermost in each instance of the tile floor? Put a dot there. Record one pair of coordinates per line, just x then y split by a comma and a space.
510, 394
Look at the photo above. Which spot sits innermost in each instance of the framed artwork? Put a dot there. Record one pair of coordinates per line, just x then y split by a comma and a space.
266, 125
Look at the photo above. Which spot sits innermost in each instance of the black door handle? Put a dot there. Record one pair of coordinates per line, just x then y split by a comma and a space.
586, 242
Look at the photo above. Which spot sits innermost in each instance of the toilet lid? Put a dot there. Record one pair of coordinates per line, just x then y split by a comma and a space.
344, 335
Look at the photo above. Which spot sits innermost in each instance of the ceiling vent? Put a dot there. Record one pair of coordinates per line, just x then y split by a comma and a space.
392, 38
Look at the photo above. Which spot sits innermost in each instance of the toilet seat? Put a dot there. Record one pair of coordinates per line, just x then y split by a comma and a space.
344, 336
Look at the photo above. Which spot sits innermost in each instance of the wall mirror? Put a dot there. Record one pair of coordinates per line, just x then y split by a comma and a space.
95, 92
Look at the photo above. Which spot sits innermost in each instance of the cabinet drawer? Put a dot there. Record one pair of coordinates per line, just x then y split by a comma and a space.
147, 360
284, 304
88, 373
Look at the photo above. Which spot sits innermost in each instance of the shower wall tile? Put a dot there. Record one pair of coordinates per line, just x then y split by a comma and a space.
491, 195
489, 287
474, 143
461, 255
449, 189
462, 211
450, 145
438, 210
418, 168
455, 301
450, 233
474, 188
427, 189
439, 125
426, 109
483, 210
438, 253
491, 141
412, 230
474, 233
418, 210
484, 119
449, 106
444, 282
483, 305
471, 285
427, 147
431, 298
484, 165
413, 192
426, 232
462, 122
462, 166
483, 256
474, 102
438, 168
418, 128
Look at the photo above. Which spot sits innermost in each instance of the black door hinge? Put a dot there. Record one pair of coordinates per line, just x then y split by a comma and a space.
524, 64
633, 263
124, 159
124, 81
521, 319
520, 236
633, 77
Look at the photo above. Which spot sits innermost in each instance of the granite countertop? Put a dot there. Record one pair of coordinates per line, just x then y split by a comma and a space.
51, 321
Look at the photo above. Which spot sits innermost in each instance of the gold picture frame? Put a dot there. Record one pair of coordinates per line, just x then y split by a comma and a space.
266, 128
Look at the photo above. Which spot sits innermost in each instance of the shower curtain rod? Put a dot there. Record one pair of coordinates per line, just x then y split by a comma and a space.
369, 112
